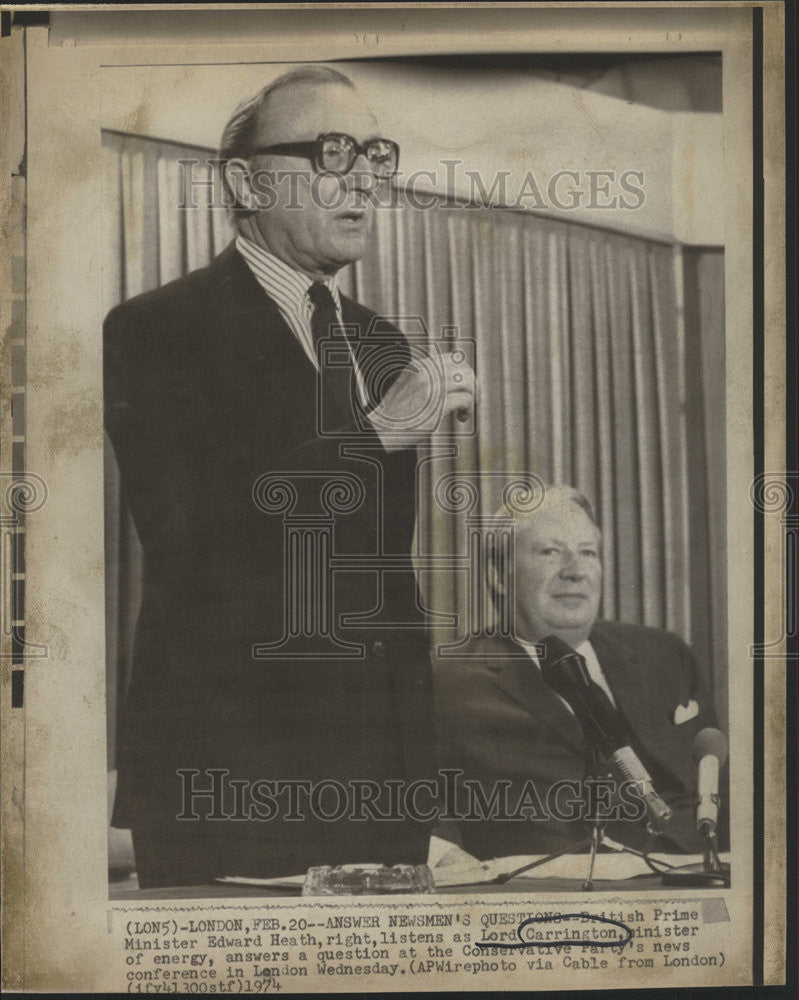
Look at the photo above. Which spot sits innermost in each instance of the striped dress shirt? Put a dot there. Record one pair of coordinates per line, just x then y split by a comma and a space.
289, 289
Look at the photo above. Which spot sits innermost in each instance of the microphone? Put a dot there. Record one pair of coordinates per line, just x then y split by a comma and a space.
565, 671
709, 750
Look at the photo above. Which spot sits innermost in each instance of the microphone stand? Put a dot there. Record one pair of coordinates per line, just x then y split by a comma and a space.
709, 872
592, 842
597, 829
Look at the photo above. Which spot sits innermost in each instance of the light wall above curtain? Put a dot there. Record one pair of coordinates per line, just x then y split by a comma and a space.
505, 120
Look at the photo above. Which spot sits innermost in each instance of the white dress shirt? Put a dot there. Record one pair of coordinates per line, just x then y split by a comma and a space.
586, 650
289, 289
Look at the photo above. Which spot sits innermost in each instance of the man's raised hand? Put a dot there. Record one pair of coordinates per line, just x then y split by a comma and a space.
423, 396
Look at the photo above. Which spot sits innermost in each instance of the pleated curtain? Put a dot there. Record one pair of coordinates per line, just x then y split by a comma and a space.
579, 359
578, 347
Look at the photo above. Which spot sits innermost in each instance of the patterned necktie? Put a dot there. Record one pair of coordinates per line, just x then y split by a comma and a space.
335, 379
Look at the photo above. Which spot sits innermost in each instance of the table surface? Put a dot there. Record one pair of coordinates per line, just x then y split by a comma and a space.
642, 883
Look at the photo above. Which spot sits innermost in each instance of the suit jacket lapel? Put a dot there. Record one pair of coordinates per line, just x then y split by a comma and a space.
254, 327
380, 349
521, 680
626, 675
253, 324
254, 357
633, 679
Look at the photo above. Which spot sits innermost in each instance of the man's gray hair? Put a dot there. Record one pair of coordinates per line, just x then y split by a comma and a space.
573, 495
552, 491
241, 134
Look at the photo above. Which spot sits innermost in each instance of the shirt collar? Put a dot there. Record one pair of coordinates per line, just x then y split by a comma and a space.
584, 649
288, 287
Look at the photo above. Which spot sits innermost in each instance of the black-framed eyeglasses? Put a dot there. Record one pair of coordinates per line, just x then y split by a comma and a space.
336, 153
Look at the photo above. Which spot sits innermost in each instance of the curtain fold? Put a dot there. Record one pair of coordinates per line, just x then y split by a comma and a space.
149, 240
578, 360
579, 353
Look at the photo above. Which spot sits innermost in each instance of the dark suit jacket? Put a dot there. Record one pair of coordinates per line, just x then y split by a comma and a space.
499, 720
207, 389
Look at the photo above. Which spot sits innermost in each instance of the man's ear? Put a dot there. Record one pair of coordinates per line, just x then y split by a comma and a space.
237, 178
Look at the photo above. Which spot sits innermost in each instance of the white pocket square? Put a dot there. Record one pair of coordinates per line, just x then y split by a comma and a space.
682, 713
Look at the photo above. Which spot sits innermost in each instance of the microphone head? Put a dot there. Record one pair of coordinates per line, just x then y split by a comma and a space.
709, 743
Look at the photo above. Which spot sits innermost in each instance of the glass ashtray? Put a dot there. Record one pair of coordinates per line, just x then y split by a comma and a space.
367, 880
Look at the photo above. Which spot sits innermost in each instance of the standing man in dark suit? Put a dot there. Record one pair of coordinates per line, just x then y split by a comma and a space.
501, 723
220, 401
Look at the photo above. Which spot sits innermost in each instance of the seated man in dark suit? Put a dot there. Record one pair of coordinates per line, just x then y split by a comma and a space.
500, 723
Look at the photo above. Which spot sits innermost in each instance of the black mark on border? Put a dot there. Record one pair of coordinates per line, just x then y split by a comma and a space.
577, 942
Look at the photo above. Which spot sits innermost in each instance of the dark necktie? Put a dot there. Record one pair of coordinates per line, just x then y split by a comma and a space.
335, 363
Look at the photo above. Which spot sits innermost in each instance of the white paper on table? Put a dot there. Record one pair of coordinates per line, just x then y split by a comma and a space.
608, 866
